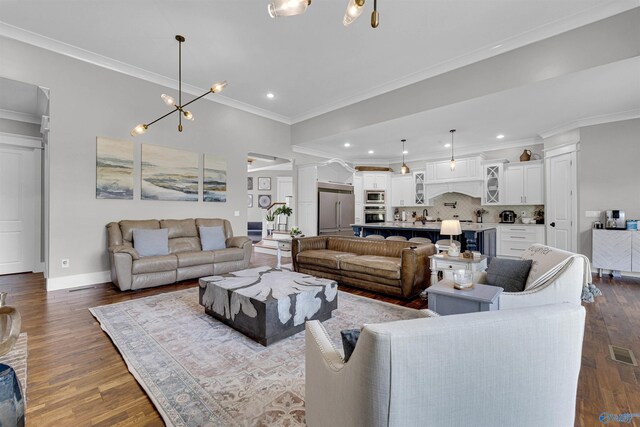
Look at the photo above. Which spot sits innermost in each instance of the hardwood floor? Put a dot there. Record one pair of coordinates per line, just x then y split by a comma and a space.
76, 377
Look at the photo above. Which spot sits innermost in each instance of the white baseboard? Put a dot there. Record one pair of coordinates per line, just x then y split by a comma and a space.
78, 280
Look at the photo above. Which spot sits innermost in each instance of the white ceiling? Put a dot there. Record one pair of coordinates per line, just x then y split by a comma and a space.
314, 64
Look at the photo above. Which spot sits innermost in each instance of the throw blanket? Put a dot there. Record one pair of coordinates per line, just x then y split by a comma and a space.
548, 262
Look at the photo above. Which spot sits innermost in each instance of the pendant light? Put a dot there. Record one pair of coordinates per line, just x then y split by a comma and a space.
404, 169
279, 8
453, 161
171, 102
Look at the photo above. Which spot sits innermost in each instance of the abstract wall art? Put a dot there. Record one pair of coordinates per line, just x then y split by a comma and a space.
114, 169
215, 179
169, 174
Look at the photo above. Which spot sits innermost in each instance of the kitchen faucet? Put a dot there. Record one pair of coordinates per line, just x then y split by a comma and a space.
425, 213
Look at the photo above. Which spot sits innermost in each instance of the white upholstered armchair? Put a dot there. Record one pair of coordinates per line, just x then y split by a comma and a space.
502, 368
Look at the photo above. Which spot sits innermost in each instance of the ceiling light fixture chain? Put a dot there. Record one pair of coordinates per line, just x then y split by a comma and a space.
169, 100
404, 169
453, 161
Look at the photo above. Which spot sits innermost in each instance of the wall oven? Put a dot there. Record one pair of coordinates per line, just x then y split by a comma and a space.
374, 214
374, 197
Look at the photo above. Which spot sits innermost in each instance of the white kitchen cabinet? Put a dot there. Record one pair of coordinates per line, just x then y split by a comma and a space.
493, 183
635, 252
418, 190
375, 180
524, 183
358, 188
359, 214
467, 169
513, 239
402, 190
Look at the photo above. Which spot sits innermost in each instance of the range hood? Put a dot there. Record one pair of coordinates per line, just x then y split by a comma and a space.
469, 188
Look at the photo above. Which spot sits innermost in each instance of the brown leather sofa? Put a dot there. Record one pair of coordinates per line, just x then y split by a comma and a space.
186, 259
390, 267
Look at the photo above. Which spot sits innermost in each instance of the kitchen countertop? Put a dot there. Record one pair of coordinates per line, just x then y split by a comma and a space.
434, 225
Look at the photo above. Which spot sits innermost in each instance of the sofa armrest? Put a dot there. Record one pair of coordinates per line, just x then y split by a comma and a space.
237, 241
305, 244
415, 272
116, 249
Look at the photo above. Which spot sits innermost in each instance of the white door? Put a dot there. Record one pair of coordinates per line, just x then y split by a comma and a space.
561, 194
19, 204
285, 188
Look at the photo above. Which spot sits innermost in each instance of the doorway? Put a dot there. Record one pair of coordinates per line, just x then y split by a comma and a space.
561, 191
23, 128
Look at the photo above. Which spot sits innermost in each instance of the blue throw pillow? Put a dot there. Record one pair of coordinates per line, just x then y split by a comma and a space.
151, 242
212, 238
349, 340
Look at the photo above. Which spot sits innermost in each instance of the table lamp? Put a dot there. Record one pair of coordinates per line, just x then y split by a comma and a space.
452, 228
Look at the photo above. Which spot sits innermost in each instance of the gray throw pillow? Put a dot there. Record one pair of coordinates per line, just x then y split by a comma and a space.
151, 242
212, 238
349, 340
509, 274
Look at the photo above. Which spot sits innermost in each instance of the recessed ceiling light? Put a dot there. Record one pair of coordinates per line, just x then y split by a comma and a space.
500, 136
447, 145
370, 151
271, 95
346, 144
405, 152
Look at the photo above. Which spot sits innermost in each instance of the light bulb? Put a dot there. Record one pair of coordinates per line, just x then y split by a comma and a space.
168, 99
218, 87
187, 114
139, 130
453, 165
279, 8
353, 11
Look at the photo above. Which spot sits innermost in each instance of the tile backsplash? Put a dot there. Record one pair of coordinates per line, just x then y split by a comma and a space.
465, 208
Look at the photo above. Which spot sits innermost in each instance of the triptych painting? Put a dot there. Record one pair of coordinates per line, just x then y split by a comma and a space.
165, 173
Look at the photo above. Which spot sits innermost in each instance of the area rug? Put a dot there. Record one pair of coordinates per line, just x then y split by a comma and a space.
200, 372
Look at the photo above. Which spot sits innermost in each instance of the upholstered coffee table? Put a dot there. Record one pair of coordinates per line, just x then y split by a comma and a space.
266, 304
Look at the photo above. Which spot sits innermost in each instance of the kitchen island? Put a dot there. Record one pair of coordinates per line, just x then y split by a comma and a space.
474, 237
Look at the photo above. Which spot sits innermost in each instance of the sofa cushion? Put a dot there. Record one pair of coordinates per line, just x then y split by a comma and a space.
188, 259
154, 264
151, 242
373, 265
180, 227
323, 257
229, 254
212, 238
216, 222
127, 226
184, 244
509, 274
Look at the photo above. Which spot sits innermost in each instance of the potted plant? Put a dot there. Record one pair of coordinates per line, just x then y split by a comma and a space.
479, 213
295, 232
270, 217
286, 211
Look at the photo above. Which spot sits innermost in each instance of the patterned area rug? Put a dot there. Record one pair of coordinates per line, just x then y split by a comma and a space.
200, 372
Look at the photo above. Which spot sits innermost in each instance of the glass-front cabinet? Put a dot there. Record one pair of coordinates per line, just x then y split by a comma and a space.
418, 183
493, 185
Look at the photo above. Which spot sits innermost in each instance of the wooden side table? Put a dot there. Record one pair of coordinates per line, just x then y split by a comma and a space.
444, 299
444, 262
283, 245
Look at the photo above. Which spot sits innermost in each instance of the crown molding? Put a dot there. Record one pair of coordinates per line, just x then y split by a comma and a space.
12, 32
19, 117
23, 141
591, 121
542, 32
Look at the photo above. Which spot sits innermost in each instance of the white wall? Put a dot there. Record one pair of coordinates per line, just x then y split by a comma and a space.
89, 101
607, 173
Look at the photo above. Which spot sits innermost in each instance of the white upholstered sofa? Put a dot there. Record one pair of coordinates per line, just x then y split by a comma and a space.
502, 368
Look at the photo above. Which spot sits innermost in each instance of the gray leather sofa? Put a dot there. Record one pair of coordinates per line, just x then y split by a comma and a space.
186, 259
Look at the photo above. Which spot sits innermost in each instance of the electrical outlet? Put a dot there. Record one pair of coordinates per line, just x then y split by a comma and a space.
236, 213
65, 263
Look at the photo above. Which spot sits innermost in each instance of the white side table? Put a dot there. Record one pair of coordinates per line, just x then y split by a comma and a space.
444, 299
444, 262
283, 245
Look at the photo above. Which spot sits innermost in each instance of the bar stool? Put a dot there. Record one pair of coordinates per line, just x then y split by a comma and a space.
423, 240
375, 237
398, 238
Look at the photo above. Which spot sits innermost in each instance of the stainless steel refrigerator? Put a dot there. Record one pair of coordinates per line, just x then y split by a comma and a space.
336, 208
